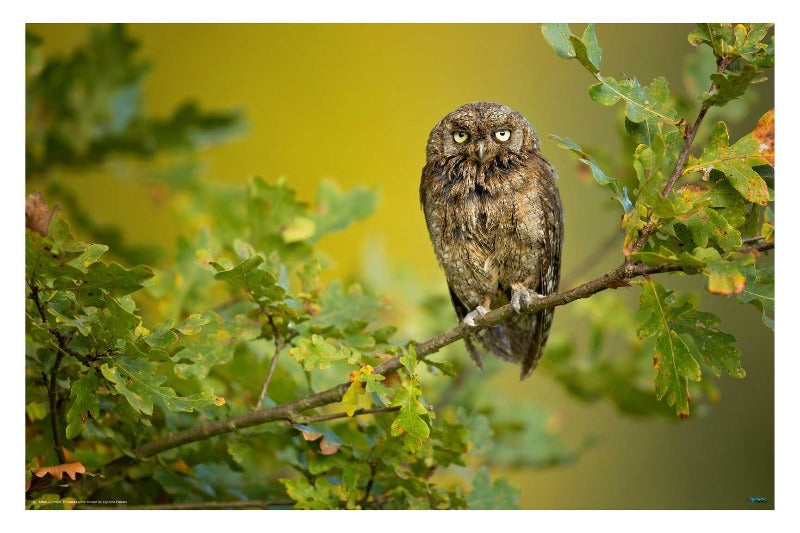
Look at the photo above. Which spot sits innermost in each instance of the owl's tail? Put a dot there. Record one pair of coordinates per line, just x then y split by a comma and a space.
521, 340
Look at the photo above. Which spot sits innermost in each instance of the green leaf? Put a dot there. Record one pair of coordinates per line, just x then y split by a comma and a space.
90, 255
84, 400
594, 52
558, 36
111, 278
212, 345
759, 291
317, 353
486, 495
337, 209
409, 421
582, 54
318, 495
730, 86
162, 336
717, 349
641, 103
193, 324
604, 93
682, 336
708, 224
731, 41
110, 323
373, 385
271, 210
261, 284
139, 381
736, 162
343, 311
672, 359
620, 193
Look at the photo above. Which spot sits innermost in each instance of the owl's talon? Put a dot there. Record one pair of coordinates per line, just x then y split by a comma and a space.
521, 298
469, 320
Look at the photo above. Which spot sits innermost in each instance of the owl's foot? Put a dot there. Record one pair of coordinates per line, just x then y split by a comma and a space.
522, 298
469, 320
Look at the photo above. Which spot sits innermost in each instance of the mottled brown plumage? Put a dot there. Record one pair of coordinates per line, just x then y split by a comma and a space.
495, 220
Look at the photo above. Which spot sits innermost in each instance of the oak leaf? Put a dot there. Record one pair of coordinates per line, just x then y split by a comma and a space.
58, 471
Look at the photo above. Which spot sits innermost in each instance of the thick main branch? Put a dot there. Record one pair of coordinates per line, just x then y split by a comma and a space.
292, 411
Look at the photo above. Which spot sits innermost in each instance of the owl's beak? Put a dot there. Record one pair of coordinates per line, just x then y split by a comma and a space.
481, 151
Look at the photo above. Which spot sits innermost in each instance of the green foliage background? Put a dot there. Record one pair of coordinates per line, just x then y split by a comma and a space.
359, 110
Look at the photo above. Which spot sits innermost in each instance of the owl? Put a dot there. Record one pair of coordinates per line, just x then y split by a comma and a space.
496, 223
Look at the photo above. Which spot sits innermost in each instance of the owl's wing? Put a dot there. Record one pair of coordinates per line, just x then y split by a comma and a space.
550, 261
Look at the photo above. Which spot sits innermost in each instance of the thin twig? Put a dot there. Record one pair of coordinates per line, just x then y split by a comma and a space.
53, 400
52, 395
688, 139
373, 469
279, 343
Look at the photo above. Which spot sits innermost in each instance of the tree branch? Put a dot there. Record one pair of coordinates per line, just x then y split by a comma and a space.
52, 394
279, 343
291, 411
358, 412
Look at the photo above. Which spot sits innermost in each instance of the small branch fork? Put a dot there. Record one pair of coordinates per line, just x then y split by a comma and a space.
280, 342
689, 133
291, 411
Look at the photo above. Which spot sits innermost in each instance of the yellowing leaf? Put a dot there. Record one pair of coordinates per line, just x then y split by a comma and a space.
736, 162
299, 229
354, 397
764, 133
724, 276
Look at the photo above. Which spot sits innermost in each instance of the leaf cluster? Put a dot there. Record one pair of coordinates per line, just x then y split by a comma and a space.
692, 212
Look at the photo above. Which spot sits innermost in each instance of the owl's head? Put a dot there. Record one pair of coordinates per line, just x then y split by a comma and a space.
481, 135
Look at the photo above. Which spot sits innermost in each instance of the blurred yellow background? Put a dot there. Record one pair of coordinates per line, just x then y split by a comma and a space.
356, 103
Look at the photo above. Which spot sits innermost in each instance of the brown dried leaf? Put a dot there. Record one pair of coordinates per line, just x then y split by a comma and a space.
58, 471
309, 436
327, 447
764, 133
37, 214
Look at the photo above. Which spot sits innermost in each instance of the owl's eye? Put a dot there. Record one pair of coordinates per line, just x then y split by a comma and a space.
460, 136
502, 135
